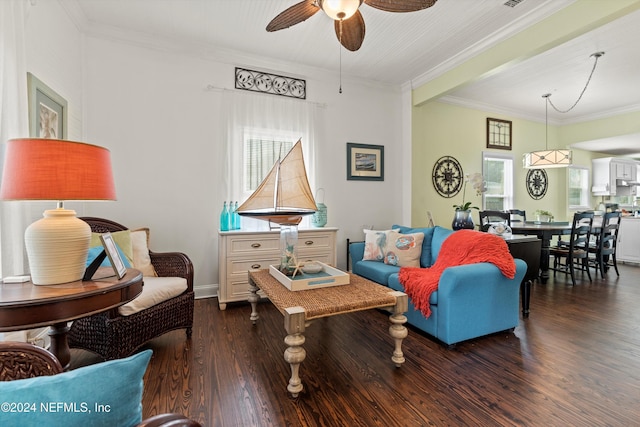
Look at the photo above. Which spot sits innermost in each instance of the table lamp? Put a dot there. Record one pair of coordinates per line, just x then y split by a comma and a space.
54, 169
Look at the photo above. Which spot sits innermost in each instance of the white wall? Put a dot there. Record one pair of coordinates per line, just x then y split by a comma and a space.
53, 54
152, 109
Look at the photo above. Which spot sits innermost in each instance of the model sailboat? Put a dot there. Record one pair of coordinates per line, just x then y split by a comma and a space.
284, 196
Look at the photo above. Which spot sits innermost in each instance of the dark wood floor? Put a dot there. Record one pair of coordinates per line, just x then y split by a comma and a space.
574, 362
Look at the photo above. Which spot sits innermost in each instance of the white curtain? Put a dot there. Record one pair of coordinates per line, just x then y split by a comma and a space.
287, 117
13, 124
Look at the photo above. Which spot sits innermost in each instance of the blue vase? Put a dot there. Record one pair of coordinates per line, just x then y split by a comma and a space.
462, 220
224, 218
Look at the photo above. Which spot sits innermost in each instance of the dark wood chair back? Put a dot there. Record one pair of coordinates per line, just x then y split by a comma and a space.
518, 215
576, 250
605, 246
488, 218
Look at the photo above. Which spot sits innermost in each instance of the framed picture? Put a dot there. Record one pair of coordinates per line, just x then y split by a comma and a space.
498, 134
114, 256
365, 162
47, 111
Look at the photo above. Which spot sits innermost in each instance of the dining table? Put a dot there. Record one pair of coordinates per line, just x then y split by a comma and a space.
545, 232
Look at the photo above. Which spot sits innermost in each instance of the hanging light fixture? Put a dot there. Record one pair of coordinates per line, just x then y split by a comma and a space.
554, 158
339, 11
547, 158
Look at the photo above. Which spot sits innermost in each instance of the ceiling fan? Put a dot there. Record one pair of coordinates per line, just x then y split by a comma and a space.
349, 24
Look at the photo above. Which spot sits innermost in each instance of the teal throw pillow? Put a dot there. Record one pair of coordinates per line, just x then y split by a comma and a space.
105, 394
439, 236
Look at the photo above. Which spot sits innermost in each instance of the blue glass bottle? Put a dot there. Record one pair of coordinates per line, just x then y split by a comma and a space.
236, 217
224, 218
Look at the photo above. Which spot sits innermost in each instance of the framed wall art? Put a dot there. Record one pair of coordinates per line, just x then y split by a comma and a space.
365, 162
47, 111
499, 134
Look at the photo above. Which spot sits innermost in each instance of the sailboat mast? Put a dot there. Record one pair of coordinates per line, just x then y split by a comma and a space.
277, 186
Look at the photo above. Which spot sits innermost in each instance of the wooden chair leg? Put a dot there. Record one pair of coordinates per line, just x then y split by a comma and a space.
601, 265
615, 264
572, 271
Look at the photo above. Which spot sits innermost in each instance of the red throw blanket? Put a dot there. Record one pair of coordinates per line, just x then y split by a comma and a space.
461, 247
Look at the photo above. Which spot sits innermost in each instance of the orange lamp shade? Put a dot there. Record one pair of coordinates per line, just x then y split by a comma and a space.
56, 169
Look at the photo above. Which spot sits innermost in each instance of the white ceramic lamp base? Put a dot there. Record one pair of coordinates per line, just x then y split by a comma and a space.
57, 247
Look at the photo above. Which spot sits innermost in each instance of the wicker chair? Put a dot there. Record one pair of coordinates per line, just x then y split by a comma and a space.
114, 336
21, 360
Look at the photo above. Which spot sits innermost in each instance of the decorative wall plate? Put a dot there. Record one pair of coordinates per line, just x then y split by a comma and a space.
447, 176
537, 183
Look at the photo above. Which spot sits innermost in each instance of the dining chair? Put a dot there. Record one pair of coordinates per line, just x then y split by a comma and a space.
568, 253
488, 218
518, 215
603, 251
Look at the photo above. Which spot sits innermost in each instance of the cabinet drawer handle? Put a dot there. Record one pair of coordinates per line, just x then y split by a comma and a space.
255, 245
309, 242
255, 267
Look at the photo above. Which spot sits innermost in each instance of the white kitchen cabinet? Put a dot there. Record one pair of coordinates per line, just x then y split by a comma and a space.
240, 251
628, 246
625, 170
607, 171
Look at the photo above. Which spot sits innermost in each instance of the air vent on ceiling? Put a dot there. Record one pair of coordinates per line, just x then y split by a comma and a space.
513, 3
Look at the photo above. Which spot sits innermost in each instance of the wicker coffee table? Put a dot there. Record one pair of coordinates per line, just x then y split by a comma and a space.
301, 307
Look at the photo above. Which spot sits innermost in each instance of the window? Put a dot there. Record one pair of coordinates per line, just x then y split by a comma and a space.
497, 171
260, 128
260, 152
578, 187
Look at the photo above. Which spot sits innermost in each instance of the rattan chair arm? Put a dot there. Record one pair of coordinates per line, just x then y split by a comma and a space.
169, 420
173, 264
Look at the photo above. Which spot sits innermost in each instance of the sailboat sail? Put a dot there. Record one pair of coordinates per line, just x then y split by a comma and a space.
284, 196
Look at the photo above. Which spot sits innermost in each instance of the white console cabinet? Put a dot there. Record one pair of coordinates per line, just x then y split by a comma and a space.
628, 248
240, 251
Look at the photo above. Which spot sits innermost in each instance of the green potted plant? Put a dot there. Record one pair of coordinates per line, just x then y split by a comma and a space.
543, 216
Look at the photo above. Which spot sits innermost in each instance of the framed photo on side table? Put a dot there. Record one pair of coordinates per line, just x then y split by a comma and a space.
365, 162
47, 111
113, 254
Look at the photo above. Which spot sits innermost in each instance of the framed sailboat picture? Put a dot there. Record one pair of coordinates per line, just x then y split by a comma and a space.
365, 162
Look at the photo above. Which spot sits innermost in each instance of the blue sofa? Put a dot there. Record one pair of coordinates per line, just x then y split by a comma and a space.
471, 300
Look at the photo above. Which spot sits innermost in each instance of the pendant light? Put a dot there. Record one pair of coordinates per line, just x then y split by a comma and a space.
547, 158
555, 158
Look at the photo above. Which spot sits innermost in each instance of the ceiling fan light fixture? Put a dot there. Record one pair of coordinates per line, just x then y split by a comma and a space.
340, 9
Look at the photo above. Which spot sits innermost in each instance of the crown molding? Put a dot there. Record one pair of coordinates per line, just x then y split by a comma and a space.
497, 109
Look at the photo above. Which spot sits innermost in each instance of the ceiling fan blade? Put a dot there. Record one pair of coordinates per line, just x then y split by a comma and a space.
400, 5
294, 15
352, 31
